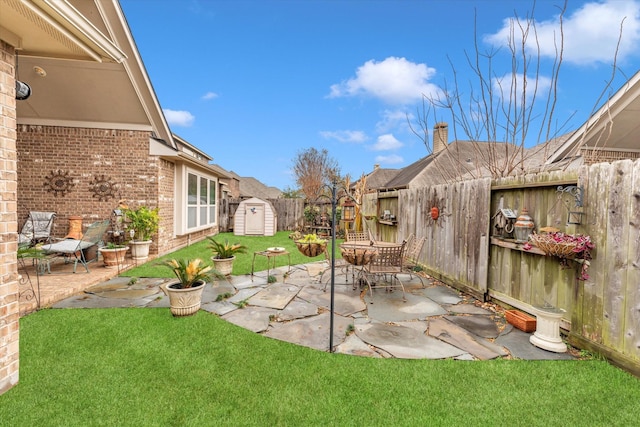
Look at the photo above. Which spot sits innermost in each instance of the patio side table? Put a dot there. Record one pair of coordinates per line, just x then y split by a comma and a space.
271, 258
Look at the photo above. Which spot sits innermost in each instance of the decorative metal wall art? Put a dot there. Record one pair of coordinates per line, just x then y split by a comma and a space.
59, 182
103, 188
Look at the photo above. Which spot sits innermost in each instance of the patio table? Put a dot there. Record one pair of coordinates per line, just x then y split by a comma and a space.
271, 258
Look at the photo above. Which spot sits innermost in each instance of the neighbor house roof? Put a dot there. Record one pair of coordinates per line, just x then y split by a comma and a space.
457, 160
615, 126
251, 187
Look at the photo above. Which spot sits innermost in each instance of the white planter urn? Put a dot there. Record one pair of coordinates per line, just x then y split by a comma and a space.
547, 334
184, 302
140, 249
224, 266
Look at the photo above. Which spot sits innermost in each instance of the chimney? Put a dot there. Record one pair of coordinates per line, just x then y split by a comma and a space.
440, 137
376, 166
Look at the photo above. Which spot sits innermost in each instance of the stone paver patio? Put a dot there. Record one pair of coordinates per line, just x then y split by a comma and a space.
435, 322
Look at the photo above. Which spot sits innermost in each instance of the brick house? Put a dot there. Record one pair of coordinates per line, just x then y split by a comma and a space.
90, 134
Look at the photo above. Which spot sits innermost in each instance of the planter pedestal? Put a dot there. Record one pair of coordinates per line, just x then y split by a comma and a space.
547, 334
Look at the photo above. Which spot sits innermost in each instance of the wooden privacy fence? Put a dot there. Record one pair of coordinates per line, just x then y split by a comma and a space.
603, 312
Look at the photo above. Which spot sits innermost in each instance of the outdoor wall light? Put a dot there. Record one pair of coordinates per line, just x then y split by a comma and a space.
40, 71
23, 91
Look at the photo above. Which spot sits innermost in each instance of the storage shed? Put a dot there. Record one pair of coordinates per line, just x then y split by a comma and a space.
255, 217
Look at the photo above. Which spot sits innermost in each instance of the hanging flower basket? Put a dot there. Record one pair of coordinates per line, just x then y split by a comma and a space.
311, 249
358, 256
567, 247
550, 246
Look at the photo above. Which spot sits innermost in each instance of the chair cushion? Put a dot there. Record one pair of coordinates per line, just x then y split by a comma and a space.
66, 246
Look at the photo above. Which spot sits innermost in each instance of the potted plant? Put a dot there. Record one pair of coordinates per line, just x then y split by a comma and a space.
311, 245
224, 253
185, 296
142, 223
113, 254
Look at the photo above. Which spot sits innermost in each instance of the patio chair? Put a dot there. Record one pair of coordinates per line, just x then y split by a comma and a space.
344, 266
384, 268
36, 229
75, 249
411, 256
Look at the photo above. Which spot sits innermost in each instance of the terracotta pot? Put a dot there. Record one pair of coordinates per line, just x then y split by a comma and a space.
113, 257
224, 266
184, 302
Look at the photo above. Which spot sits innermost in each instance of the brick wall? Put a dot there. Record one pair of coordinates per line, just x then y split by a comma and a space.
60, 168
80, 156
9, 306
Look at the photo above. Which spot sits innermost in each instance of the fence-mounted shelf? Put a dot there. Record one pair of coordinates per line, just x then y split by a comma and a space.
387, 222
515, 245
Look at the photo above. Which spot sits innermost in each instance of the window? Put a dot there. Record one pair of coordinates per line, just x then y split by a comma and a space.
201, 201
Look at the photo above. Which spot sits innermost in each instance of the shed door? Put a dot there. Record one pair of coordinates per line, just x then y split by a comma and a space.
254, 219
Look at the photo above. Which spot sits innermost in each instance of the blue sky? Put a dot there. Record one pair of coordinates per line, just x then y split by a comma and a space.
253, 83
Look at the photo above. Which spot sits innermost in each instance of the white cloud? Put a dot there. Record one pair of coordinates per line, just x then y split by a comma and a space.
179, 118
394, 81
386, 142
392, 159
209, 95
392, 120
590, 33
503, 87
355, 136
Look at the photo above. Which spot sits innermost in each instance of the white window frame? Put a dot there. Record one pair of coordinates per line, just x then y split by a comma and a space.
201, 206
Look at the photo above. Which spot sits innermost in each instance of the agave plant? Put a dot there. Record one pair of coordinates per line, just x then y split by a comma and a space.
225, 250
191, 271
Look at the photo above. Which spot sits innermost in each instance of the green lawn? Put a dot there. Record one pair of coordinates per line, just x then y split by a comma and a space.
242, 264
142, 367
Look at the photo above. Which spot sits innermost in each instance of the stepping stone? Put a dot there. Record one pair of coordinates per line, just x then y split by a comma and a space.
442, 295
244, 294
128, 293
482, 326
344, 303
255, 319
211, 292
311, 332
461, 338
275, 296
315, 269
517, 342
356, 347
389, 307
406, 343
467, 309
219, 307
297, 309
94, 301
